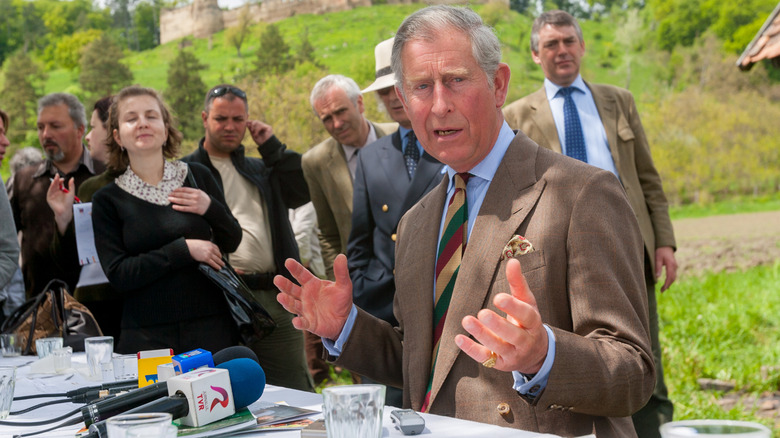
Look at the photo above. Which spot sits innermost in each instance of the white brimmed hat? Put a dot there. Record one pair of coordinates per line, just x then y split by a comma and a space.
384, 74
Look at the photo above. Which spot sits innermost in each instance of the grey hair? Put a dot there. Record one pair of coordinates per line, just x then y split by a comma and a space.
428, 23
26, 156
554, 18
75, 108
348, 85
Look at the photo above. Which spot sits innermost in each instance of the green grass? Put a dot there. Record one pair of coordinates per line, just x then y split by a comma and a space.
721, 326
744, 204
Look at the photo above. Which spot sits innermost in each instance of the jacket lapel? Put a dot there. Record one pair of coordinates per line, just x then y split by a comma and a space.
543, 119
509, 199
338, 171
427, 175
422, 230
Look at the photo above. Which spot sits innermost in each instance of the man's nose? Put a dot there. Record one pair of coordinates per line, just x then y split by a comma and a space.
442, 103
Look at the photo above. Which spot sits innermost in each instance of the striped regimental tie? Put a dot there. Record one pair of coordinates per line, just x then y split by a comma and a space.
451, 247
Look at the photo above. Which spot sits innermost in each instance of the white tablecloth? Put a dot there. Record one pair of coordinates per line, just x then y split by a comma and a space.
29, 383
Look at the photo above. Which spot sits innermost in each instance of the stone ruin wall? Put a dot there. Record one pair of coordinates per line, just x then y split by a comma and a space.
204, 17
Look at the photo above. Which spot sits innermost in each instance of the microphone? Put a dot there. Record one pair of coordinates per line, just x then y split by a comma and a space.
234, 352
204, 396
104, 409
80, 392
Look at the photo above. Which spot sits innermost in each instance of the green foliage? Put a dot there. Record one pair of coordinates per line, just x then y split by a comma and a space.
147, 25
720, 326
273, 56
493, 12
22, 88
102, 73
236, 35
69, 48
185, 93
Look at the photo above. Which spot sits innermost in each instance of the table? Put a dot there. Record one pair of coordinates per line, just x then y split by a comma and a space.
29, 383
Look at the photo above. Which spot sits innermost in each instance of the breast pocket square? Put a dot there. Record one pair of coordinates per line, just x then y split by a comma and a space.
517, 245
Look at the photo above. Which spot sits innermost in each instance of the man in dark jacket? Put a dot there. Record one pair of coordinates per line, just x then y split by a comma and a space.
61, 125
258, 193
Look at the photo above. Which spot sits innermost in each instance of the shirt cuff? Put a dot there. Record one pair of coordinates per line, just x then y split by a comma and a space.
334, 348
533, 385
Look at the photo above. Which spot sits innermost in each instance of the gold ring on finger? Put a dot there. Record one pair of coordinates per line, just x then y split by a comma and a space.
490, 362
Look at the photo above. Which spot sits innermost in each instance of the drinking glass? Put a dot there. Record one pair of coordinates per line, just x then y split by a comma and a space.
151, 425
10, 345
714, 429
45, 346
7, 382
354, 411
99, 350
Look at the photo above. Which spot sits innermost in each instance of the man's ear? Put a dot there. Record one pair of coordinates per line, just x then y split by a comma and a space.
501, 84
535, 57
205, 116
360, 106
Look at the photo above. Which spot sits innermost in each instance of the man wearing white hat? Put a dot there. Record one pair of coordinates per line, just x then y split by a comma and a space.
392, 174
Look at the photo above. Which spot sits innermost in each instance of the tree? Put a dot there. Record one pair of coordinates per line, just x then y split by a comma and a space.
102, 73
237, 34
306, 51
273, 56
147, 24
23, 86
185, 92
69, 48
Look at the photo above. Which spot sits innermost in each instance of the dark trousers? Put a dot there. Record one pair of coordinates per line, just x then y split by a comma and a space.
659, 409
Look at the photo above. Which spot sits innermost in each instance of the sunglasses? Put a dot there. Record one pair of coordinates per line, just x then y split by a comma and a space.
221, 91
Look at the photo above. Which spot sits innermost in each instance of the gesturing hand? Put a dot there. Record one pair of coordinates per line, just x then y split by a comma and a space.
519, 340
189, 200
206, 252
321, 306
60, 202
259, 131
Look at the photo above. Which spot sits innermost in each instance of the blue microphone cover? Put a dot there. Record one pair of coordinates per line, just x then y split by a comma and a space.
247, 379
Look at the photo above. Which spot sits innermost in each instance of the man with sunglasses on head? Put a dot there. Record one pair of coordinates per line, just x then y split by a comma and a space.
258, 193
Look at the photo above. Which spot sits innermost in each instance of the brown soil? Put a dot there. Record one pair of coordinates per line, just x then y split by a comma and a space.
727, 243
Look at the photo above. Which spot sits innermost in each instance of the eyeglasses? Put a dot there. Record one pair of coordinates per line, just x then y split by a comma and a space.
221, 91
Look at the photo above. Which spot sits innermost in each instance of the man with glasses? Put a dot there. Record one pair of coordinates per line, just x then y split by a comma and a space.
258, 193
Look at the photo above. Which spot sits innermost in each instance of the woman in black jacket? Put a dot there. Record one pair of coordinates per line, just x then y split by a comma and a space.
153, 228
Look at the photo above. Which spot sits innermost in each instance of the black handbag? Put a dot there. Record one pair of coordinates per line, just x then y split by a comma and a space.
251, 318
53, 312
253, 321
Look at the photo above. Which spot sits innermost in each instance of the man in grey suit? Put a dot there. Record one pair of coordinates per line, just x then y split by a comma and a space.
545, 327
614, 140
393, 173
329, 169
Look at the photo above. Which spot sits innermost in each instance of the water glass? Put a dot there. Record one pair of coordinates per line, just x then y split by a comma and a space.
7, 382
99, 351
354, 411
125, 367
62, 358
714, 429
45, 346
150, 425
11, 345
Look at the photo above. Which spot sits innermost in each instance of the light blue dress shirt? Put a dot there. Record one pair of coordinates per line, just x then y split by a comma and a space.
476, 189
596, 143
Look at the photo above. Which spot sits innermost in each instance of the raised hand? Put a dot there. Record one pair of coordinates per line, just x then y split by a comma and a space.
518, 340
61, 202
190, 200
321, 306
259, 131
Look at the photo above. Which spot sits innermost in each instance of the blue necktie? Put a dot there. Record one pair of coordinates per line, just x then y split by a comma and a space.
411, 154
575, 140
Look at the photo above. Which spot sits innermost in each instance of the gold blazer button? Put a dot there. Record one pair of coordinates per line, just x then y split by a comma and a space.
392, 237
385, 208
